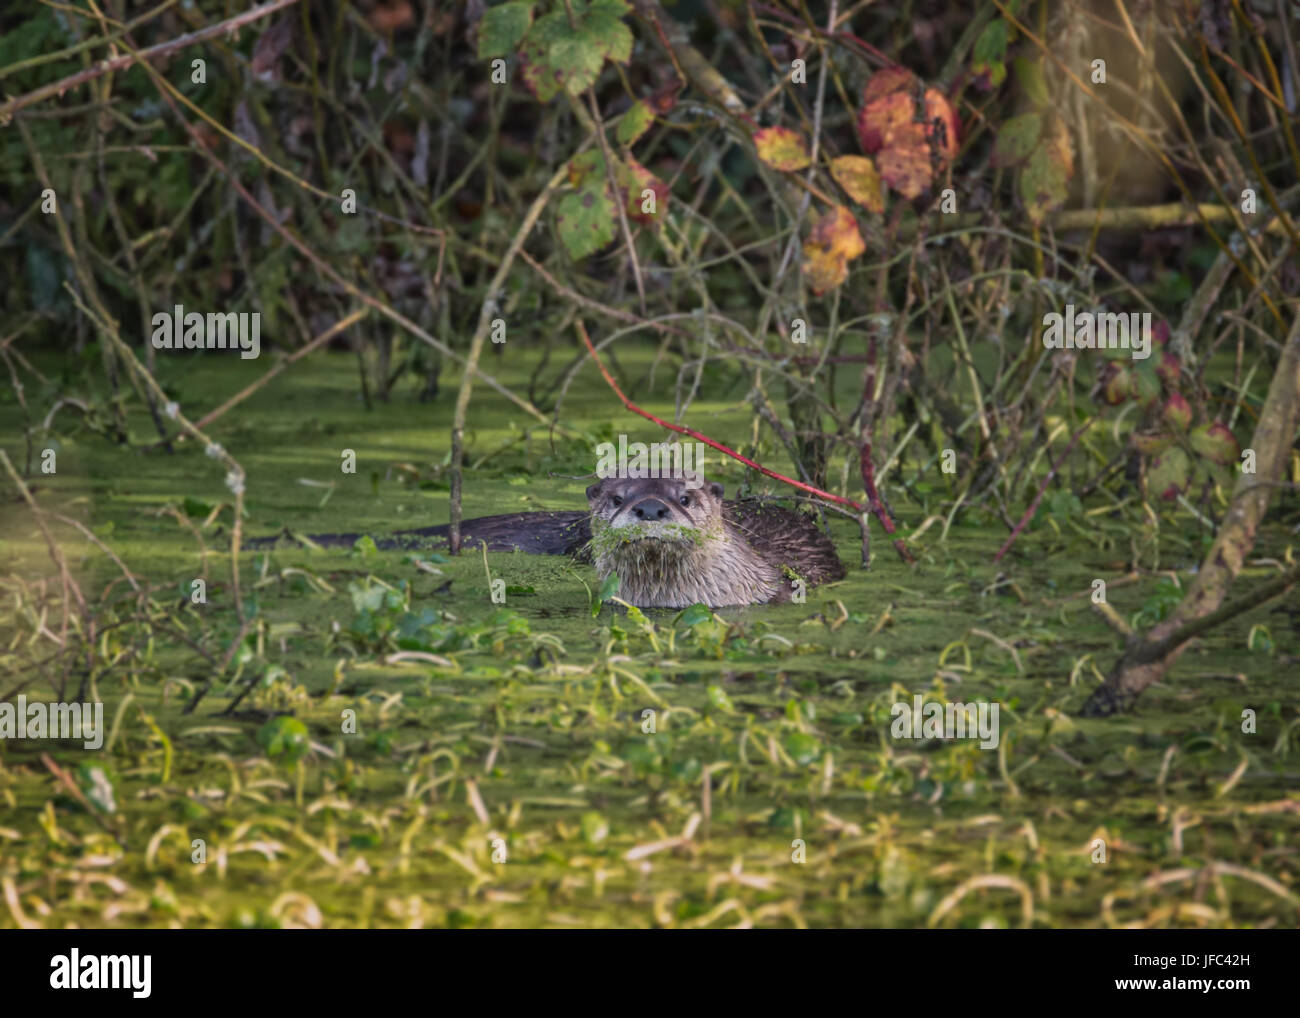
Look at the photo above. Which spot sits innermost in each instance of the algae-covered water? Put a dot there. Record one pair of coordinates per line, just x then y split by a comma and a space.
403, 751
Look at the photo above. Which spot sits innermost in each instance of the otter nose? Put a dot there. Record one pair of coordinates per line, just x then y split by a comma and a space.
650, 509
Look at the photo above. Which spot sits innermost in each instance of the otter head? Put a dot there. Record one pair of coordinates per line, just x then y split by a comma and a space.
655, 508
670, 547
645, 527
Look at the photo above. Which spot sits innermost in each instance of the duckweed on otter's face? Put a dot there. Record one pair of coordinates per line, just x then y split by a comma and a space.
609, 540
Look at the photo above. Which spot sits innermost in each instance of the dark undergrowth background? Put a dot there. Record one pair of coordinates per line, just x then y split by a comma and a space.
834, 267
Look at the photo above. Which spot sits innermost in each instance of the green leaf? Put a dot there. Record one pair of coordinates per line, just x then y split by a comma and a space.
595, 828
694, 615
1045, 179
587, 170
992, 42
284, 737
196, 509
502, 27
990, 53
1146, 383
719, 699
560, 55
805, 749
635, 123
1215, 442
1030, 75
1065, 503
1017, 138
585, 221
607, 590
366, 599
1169, 474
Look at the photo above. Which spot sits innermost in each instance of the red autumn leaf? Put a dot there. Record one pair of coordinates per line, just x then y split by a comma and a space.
891, 79
909, 133
880, 120
905, 164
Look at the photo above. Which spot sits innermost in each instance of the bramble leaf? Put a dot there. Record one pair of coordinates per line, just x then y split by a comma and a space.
781, 148
635, 123
1177, 412
559, 55
636, 180
1215, 442
1017, 138
1030, 75
1169, 474
1045, 180
990, 54
942, 129
907, 141
502, 27
585, 221
860, 179
834, 242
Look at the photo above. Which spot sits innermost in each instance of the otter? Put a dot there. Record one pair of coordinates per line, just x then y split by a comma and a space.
671, 543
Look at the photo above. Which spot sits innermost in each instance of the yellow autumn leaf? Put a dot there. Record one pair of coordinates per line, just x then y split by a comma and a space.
834, 242
860, 180
781, 148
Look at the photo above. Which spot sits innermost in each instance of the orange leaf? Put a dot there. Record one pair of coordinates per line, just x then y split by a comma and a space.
905, 164
860, 179
781, 148
880, 120
834, 242
942, 129
909, 133
891, 79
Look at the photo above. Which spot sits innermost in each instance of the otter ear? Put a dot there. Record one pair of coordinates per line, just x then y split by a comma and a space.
717, 489
594, 490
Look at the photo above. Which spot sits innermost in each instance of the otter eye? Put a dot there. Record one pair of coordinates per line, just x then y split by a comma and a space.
685, 500
617, 500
